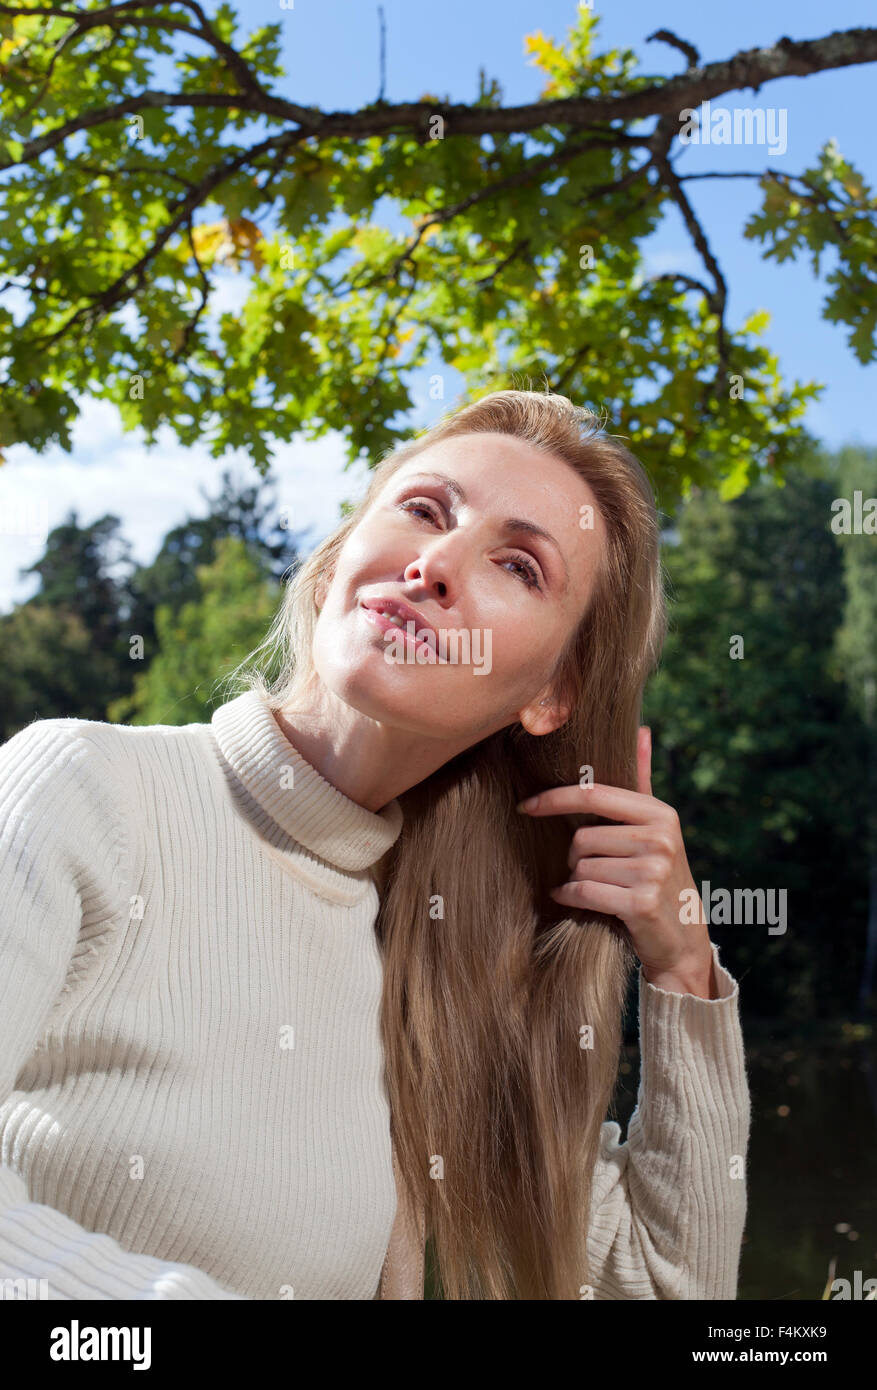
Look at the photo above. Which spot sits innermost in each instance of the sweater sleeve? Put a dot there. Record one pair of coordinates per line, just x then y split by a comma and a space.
63, 857
669, 1205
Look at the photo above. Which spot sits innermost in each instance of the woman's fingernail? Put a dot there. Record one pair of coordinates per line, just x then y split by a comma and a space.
529, 805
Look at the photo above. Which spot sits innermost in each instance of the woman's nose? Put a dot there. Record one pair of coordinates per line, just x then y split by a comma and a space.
435, 569
416, 572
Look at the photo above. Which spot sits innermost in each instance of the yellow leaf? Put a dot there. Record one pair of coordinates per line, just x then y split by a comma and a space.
757, 322
403, 338
245, 235
544, 50
208, 237
244, 232
226, 241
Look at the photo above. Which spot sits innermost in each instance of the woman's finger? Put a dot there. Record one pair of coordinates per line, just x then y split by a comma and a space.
609, 840
623, 872
616, 803
644, 761
596, 897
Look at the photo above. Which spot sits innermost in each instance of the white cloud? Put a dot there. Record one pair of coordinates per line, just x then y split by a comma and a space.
152, 490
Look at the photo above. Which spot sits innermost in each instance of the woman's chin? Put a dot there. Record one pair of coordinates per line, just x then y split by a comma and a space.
374, 687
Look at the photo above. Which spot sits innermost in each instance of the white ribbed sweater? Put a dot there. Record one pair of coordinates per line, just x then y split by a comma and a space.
192, 1098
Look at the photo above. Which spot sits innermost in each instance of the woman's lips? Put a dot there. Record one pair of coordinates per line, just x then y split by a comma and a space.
373, 616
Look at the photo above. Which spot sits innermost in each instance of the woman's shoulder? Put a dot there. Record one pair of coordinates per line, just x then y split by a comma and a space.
89, 750
97, 733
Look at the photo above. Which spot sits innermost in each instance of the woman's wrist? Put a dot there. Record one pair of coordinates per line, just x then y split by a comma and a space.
693, 975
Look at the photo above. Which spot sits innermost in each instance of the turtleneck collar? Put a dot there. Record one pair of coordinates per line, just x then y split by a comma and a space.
291, 793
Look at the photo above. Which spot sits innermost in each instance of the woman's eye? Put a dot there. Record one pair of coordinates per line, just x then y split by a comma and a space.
530, 577
533, 581
418, 506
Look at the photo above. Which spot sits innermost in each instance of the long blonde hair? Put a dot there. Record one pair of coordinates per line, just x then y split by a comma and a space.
487, 1065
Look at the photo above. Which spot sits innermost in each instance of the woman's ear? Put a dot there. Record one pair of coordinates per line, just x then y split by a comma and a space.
544, 714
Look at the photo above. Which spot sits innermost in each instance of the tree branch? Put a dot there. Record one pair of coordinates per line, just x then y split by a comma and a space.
120, 287
667, 36
123, 15
205, 296
532, 170
750, 68
664, 99
578, 356
386, 339
151, 101
519, 246
690, 281
718, 298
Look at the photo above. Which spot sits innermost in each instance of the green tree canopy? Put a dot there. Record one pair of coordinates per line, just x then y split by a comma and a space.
755, 741
78, 644
49, 668
515, 251
84, 568
63, 652
205, 640
248, 512
855, 523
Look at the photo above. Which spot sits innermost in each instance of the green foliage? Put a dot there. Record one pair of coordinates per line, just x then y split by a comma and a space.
480, 263
171, 579
762, 756
76, 571
73, 649
856, 645
205, 640
49, 668
829, 208
61, 652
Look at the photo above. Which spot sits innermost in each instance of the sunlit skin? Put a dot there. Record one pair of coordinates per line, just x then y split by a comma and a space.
373, 729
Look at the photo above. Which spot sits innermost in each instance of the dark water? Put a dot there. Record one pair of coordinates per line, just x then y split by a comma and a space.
813, 1170
812, 1162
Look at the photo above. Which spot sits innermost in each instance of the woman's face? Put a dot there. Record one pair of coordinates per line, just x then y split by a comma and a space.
513, 597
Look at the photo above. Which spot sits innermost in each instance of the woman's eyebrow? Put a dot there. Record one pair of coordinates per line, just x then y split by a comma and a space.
511, 523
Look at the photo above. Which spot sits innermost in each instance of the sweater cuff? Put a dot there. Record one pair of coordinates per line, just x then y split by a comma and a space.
691, 1127
691, 1051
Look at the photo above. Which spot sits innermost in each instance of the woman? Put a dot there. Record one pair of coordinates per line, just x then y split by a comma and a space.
280, 987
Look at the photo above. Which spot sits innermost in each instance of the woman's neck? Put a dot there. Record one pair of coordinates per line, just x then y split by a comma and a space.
371, 761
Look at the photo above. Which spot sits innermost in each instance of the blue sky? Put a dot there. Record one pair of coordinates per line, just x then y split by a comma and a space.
331, 52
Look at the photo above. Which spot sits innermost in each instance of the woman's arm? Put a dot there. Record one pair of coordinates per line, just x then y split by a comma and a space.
62, 858
668, 1207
